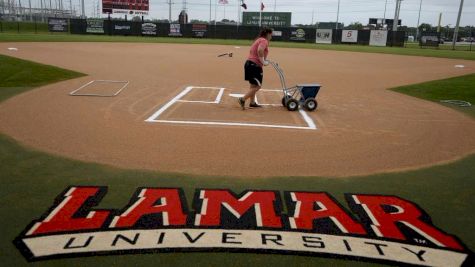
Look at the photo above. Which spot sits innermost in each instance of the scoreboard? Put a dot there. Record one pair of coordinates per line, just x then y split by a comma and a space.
131, 7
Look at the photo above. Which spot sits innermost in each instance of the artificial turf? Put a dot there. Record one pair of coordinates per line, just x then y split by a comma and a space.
30, 181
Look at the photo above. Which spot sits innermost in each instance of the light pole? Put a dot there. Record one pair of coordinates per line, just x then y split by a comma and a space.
456, 32
396, 15
337, 15
418, 20
170, 11
83, 10
396, 20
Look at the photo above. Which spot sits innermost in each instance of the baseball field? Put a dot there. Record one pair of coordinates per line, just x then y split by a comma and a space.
132, 114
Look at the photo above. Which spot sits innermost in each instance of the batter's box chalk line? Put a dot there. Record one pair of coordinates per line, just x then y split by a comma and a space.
77, 93
460, 103
155, 117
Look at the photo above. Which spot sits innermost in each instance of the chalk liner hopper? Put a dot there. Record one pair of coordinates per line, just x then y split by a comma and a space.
379, 228
301, 94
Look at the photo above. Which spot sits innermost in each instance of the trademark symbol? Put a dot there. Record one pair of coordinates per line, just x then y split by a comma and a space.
419, 241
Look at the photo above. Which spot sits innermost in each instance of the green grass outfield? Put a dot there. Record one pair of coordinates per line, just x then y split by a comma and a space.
30, 180
458, 88
411, 51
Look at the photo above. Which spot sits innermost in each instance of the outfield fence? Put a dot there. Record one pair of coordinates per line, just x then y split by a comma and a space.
211, 31
286, 34
23, 27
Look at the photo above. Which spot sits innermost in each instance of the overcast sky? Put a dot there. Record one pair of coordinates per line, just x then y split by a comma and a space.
323, 10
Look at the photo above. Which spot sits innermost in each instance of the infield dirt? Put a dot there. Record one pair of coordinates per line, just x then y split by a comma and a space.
362, 127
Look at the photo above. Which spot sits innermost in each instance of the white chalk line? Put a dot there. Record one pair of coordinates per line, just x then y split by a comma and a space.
126, 83
169, 104
219, 96
197, 101
236, 124
154, 118
216, 101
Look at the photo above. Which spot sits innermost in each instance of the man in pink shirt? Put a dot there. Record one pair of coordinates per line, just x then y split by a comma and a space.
253, 71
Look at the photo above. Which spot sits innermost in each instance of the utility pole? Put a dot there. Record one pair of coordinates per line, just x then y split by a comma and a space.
42, 11
396, 15
456, 32
396, 20
440, 21
20, 10
239, 14
418, 20
260, 15
170, 11
210, 3
337, 15
83, 11
31, 14
313, 13
385, 8
2, 3
275, 8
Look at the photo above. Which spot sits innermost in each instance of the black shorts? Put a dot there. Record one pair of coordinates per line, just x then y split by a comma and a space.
253, 73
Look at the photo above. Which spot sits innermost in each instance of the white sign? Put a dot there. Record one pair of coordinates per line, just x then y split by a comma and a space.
349, 36
129, 12
324, 36
175, 30
378, 38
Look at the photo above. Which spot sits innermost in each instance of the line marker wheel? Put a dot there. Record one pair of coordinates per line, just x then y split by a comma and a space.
310, 104
292, 104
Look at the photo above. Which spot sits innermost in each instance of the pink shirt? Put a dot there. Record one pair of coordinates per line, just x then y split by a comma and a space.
253, 55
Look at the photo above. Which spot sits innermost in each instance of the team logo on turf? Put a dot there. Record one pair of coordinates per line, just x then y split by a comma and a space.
378, 228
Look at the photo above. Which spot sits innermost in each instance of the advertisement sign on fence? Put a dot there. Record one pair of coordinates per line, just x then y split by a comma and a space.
324, 36
175, 30
131, 7
58, 25
277, 33
297, 35
269, 19
349, 36
95, 26
378, 38
149, 29
122, 27
199, 30
429, 40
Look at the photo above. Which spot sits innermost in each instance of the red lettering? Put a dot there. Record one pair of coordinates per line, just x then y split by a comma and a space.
383, 222
313, 206
261, 201
167, 202
64, 216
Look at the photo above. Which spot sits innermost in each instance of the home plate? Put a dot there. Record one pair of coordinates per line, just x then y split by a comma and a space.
13, 49
459, 66
236, 95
